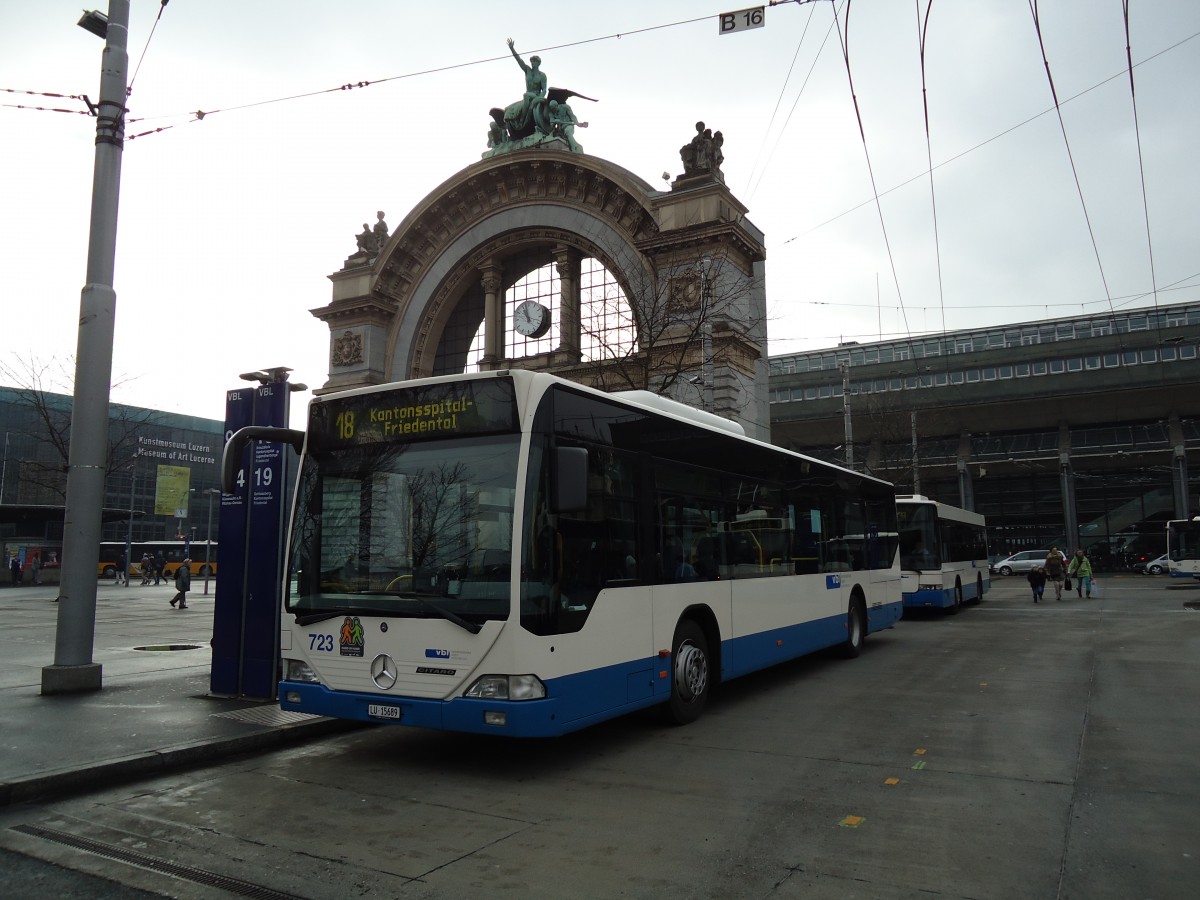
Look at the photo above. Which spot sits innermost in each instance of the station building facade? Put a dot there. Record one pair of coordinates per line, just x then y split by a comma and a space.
1073, 431
33, 475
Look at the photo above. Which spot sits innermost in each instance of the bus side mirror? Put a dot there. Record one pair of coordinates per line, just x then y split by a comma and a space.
569, 479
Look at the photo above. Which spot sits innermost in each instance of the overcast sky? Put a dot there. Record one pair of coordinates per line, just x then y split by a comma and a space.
230, 225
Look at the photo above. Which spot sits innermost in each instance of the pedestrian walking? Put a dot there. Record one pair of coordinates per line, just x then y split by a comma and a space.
1037, 582
183, 584
14, 569
159, 563
147, 568
121, 575
1056, 570
1081, 570
35, 566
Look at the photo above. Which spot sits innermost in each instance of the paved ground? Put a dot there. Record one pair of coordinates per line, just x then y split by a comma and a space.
153, 713
1013, 751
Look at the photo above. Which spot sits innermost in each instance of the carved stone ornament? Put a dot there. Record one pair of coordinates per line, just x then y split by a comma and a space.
347, 350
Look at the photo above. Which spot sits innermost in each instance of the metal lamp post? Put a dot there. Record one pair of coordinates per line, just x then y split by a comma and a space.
74, 669
129, 532
208, 541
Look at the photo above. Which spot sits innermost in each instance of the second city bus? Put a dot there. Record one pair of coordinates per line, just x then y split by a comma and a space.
1183, 548
511, 553
943, 554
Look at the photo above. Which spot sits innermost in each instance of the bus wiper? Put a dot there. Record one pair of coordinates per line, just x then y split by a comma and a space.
441, 611
318, 615
449, 616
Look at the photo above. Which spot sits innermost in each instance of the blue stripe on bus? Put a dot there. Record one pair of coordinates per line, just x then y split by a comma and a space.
944, 598
577, 701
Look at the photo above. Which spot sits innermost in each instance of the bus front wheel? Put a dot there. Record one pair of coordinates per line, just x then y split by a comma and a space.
689, 674
956, 606
856, 631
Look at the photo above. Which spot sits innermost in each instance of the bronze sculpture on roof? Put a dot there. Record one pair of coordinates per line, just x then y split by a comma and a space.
542, 114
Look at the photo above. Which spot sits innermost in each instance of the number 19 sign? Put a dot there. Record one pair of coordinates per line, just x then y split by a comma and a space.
742, 20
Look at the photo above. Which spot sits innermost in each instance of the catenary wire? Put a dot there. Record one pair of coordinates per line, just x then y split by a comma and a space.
990, 140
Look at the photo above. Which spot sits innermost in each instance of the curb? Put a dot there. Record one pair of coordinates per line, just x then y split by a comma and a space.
107, 773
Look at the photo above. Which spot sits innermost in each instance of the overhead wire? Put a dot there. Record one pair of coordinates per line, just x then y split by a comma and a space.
79, 97
1037, 25
162, 6
990, 140
201, 114
1137, 131
750, 190
844, 41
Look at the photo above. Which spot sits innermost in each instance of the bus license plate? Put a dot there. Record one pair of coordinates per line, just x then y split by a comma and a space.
380, 711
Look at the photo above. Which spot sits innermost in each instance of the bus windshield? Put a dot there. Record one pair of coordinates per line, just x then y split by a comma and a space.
919, 544
411, 529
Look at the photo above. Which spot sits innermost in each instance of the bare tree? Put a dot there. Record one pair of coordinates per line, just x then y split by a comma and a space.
44, 390
692, 321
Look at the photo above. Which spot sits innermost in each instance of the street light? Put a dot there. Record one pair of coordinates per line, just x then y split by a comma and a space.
132, 493
208, 542
74, 669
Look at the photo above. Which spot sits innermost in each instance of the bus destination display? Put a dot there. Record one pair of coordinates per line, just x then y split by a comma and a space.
415, 414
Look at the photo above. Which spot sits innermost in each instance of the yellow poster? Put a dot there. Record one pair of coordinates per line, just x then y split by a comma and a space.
171, 491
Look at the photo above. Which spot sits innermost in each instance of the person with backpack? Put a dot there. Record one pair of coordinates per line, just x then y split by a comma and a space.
1056, 570
183, 584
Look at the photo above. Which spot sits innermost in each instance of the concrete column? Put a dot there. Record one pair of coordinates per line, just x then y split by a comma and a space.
1066, 476
1179, 468
493, 315
570, 326
1179, 482
966, 487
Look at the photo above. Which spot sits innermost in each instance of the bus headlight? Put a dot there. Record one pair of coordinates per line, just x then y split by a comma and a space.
507, 687
299, 670
933, 586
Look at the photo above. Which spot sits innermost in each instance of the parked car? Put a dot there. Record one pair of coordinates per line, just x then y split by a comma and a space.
1019, 563
1154, 566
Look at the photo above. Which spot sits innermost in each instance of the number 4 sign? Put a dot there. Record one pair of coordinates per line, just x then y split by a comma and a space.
742, 20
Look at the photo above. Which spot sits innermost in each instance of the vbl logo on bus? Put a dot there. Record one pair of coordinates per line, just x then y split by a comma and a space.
437, 654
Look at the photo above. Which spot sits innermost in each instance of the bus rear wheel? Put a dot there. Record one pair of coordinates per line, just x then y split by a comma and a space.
856, 631
689, 674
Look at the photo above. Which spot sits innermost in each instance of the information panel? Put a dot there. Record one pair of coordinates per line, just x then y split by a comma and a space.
231, 559
267, 482
485, 406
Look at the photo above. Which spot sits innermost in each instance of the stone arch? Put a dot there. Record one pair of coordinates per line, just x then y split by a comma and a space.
444, 264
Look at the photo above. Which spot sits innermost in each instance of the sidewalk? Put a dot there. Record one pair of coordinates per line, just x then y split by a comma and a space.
153, 713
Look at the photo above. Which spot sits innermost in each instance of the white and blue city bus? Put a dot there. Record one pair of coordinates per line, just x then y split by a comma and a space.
511, 553
943, 554
1183, 548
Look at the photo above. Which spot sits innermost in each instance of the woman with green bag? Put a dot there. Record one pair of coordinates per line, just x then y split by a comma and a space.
1081, 570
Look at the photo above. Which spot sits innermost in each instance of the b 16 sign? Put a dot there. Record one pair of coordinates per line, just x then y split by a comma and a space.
742, 20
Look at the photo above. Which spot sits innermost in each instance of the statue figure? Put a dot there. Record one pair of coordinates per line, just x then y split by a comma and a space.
496, 133
563, 122
366, 242
702, 154
380, 232
528, 113
542, 114
715, 156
